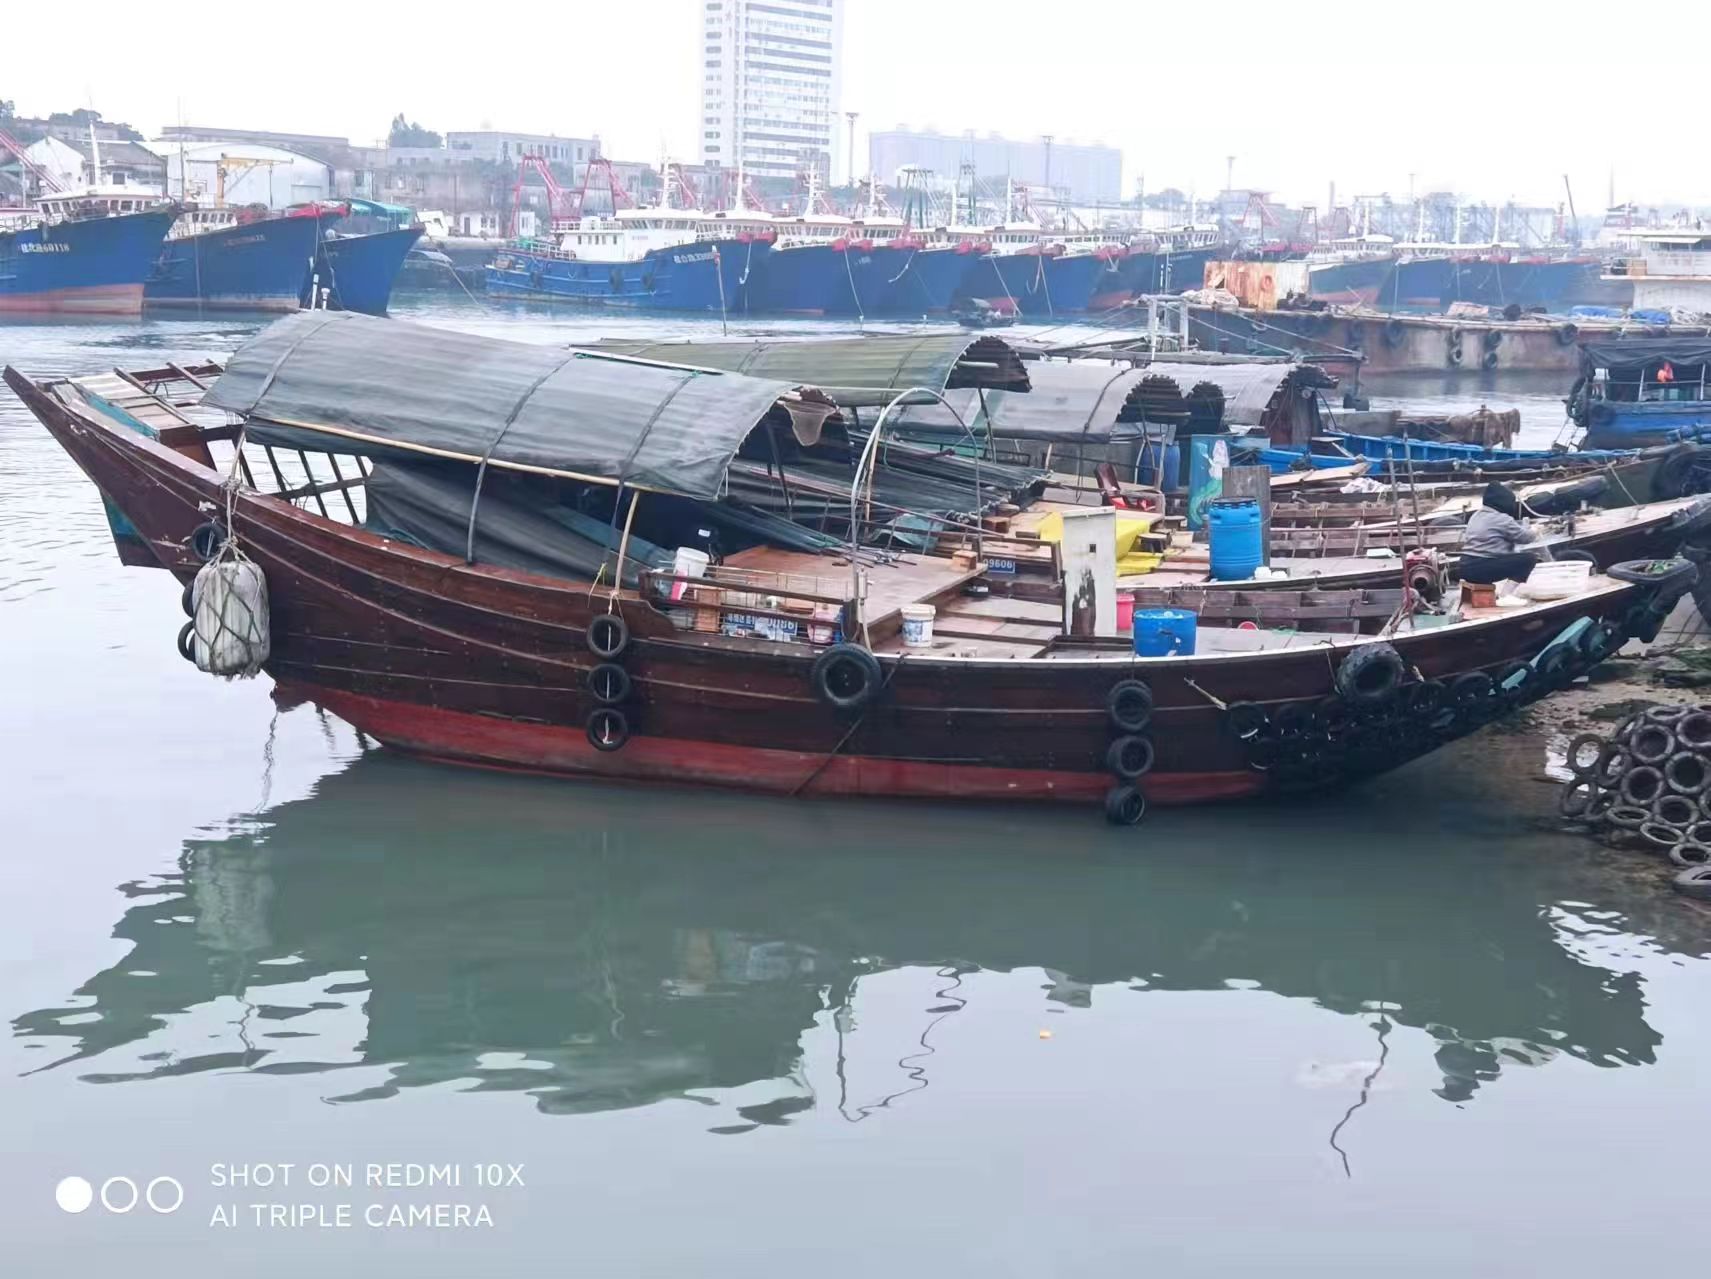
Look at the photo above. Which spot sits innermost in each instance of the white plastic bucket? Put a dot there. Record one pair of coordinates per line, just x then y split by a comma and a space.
918, 625
690, 563
1556, 580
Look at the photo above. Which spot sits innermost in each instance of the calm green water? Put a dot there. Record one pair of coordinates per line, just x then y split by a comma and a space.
1410, 1030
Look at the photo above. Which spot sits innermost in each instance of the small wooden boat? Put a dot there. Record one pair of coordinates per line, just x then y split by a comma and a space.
776, 669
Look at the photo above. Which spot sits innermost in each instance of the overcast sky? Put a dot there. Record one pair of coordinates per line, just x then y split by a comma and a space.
1496, 102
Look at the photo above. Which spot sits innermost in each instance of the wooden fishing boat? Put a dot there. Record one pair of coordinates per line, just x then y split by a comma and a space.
776, 669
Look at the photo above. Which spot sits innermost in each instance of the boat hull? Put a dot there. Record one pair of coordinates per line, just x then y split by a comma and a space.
1626, 426
833, 279
96, 266
259, 266
1350, 283
924, 281
358, 271
491, 667
703, 276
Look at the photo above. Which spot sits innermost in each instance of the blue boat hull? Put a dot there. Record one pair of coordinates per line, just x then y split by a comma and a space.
928, 281
1012, 284
824, 279
261, 266
1084, 282
91, 267
359, 270
1613, 425
1434, 284
1350, 283
703, 276
1150, 272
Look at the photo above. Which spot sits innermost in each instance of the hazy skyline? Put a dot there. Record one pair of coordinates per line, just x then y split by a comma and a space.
1489, 108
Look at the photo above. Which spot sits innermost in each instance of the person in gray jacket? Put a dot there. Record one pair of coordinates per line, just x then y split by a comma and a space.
1490, 547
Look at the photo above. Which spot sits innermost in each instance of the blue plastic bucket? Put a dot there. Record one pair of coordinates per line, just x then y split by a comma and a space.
1235, 533
1164, 632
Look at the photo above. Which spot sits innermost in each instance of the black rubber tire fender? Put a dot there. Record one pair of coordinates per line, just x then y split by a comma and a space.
1695, 881
1555, 667
1679, 575
1693, 730
846, 677
1129, 705
206, 540
1651, 745
1687, 773
1452, 356
608, 635
1691, 521
1129, 757
1576, 554
1675, 810
1491, 339
1665, 714
1246, 719
187, 642
1124, 805
1394, 332
1627, 816
1371, 673
1576, 798
187, 601
1293, 720
1488, 360
1471, 690
609, 683
1331, 715
1640, 786
1567, 333
1613, 761
1578, 746
1660, 836
608, 728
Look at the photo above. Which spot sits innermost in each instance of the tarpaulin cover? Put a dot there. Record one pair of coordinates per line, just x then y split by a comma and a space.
336, 376
1079, 401
1630, 356
856, 372
427, 504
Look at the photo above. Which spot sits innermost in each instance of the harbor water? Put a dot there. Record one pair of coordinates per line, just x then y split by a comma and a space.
1413, 1029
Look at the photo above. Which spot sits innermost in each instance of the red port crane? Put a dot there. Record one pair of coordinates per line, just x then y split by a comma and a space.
45, 180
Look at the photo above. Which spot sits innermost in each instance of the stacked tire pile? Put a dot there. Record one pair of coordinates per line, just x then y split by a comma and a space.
1649, 783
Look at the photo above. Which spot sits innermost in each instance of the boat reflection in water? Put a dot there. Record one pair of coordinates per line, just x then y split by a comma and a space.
603, 948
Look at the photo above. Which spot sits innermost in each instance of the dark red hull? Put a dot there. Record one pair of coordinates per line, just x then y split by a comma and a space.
489, 666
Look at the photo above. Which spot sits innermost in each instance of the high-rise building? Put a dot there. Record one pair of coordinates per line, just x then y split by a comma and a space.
770, 86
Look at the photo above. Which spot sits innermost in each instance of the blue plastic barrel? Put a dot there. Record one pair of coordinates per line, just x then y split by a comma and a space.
1235, 532
1172, 468
1164, 632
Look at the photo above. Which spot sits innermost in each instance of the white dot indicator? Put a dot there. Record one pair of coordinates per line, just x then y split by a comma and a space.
74, 1194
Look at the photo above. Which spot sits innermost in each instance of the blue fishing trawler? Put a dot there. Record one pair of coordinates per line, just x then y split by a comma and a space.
931, 278
1633, 392
641, 259
217, 259
360, 255
84, 252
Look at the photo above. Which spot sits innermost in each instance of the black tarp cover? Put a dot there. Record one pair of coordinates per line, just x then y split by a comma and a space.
1629, 357
393, 386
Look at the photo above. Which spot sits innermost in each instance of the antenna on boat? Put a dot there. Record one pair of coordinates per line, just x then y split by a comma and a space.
94, 155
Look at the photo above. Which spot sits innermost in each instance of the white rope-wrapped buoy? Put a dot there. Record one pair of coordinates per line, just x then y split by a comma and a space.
231, 618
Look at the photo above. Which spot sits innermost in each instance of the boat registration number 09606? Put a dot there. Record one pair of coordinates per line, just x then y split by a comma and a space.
998, 565
772, 628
